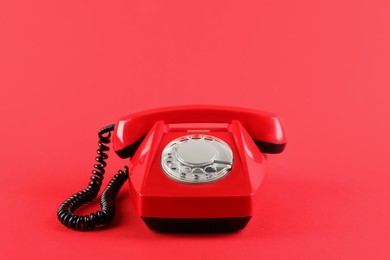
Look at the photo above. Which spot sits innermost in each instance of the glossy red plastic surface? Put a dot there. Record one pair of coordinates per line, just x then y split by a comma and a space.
156, 195
260, 125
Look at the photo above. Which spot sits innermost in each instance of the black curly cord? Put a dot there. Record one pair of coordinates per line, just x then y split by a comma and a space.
106, 214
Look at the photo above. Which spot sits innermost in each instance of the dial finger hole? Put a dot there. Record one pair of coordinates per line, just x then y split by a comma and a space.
208, 138
184, 139
210, 169
186, 170
197, 171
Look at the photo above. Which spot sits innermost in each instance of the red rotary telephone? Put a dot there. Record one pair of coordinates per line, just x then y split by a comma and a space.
192, 168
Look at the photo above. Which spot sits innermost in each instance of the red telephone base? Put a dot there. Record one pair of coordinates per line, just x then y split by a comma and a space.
195, 225
197, 169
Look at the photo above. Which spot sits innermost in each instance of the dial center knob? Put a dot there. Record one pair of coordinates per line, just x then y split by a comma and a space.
196, 152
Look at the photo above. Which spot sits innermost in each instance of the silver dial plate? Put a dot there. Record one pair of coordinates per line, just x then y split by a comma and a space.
196, 159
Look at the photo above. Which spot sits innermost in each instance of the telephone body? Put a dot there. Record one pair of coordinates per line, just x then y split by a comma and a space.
196, 168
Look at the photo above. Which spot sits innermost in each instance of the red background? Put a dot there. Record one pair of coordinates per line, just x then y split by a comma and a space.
69, 67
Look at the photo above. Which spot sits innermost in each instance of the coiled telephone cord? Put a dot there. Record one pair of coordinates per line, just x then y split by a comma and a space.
66, 210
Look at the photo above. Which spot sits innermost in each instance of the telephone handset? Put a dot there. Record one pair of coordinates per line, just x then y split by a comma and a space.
192, 168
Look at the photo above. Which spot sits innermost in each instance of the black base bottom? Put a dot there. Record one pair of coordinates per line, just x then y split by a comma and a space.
196, 225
